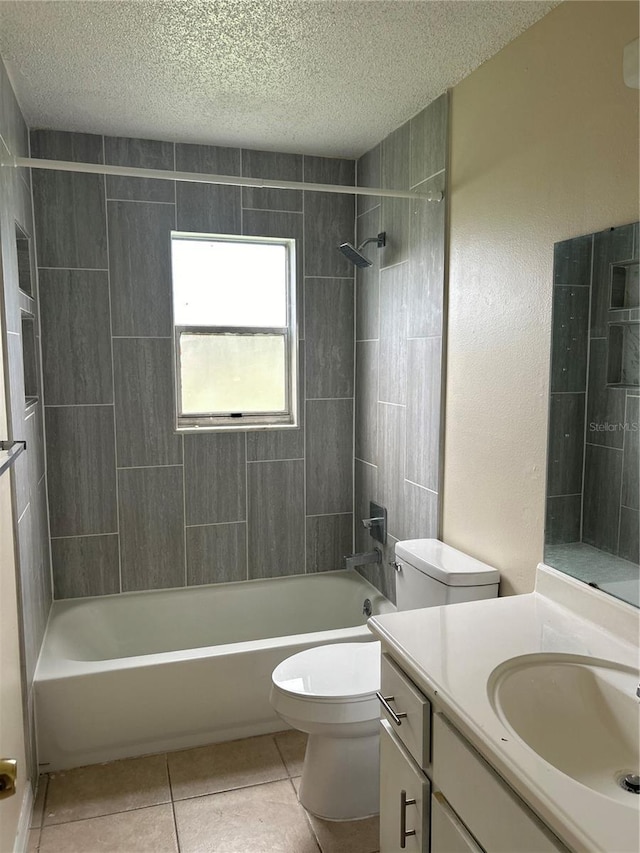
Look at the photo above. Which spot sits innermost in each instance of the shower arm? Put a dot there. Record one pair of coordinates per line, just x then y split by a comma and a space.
380, 240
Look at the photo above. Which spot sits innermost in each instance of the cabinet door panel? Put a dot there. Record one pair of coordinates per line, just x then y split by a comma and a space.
399, 774
478, 794
404, 697
448, 833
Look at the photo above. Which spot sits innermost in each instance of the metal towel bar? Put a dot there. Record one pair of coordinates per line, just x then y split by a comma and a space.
13, 449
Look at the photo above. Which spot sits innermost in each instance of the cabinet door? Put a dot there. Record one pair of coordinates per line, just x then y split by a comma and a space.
404, 798
448, 833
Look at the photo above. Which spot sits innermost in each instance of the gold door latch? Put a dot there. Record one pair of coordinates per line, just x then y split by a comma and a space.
8, 773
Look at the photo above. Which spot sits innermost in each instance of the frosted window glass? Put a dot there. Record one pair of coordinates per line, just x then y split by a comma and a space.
224, 283
232, 373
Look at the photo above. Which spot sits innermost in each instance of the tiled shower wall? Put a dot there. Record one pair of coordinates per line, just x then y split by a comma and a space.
399, 337
28, 477
133, 505
592, 484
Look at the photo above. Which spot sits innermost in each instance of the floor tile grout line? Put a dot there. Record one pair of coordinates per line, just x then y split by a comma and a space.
107, 814
307, 817
235, 788
173, 802
279, 751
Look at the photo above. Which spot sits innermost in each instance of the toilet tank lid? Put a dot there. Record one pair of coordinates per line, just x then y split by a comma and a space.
446, 564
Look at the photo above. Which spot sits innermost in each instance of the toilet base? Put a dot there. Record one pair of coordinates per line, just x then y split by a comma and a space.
340, 777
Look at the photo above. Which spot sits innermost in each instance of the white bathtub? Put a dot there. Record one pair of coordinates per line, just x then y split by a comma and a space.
146, 672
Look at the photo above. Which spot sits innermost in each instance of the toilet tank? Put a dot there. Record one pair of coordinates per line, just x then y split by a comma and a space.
431, 573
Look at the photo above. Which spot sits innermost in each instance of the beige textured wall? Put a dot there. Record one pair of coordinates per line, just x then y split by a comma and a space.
544, 147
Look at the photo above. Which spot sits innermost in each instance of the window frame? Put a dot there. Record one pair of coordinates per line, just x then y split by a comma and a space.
227, 422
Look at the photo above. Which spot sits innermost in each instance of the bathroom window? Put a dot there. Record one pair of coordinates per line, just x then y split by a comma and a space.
235, 337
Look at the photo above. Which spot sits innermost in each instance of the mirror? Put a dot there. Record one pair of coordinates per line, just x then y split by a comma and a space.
592, 511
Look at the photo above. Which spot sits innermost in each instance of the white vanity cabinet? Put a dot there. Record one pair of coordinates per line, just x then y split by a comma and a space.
437, 794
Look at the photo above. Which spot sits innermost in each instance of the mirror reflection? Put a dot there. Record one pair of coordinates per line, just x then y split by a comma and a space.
592, 519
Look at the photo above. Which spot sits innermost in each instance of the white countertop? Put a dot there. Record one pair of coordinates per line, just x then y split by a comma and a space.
450, 653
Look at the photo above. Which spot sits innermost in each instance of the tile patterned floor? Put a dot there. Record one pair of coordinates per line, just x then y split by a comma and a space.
234, 797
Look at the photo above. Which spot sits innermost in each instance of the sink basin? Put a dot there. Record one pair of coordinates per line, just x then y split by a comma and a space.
579, 714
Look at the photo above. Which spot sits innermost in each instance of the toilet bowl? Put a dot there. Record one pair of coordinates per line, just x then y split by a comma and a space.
329, 692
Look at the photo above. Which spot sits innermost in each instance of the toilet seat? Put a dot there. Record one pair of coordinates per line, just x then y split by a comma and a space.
342, 672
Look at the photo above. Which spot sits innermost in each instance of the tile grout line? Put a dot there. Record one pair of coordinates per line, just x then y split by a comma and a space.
303, 402
173, 802
182, 437
246, 434
113, 371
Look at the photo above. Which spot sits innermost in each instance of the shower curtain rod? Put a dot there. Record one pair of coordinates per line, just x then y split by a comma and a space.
201, 178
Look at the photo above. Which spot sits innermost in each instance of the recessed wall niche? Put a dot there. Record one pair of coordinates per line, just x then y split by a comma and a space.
23, 249
625, 285
29, 360
623, 355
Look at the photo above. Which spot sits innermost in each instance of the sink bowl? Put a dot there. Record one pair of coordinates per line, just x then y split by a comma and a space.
579, 714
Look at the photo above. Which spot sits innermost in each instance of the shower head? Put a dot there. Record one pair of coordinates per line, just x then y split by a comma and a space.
355, 255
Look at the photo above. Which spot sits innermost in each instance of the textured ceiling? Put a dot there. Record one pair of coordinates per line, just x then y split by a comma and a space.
314, 77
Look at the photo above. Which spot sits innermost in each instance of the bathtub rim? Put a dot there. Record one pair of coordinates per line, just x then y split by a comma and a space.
51, 667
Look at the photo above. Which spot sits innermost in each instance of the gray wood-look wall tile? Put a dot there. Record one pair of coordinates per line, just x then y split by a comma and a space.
601, 508
70, 219
152, 549
329, 219
395, 214
145, 409
629, 548
429, 140
631, 458
566, 444
423, 412
381, 574
329, 170
85, 565
140, 267
329, 460
369, 174
81, 470
569, 338
394, 285
614, 244
269, 223
391, 460
215, 478
420, 516
38, 442
208, 208
572, 261
329, 540
366, 401
141, 153
368, 278
33, 452
329, 337
276, 518
216, 553
562, 523
605, 406
274, 444
426, 264
12, 125
366, 490
76, 341
28, 579
66, 145
275, 166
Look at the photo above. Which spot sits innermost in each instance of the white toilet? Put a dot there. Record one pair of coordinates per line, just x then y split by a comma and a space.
330, 691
